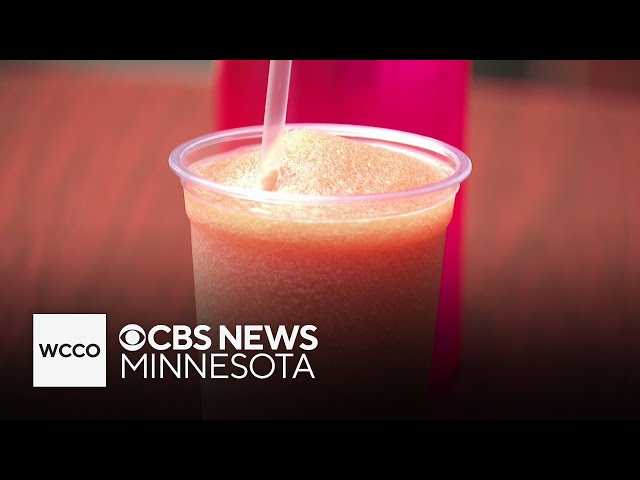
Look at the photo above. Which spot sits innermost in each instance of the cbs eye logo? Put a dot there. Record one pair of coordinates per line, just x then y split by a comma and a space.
132, 337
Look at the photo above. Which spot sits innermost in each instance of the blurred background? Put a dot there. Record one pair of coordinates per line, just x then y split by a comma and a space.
551, 235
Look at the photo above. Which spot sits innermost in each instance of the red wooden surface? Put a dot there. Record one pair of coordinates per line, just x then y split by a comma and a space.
552, 272
92, 220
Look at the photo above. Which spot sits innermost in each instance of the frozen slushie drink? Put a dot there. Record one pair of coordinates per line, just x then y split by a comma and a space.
350, 240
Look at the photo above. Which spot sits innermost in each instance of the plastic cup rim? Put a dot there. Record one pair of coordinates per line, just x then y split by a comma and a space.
461, 160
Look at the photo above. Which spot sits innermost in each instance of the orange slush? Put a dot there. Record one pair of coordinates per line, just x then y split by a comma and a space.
361, 267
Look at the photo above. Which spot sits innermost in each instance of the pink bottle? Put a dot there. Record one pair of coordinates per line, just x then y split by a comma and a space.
427, 97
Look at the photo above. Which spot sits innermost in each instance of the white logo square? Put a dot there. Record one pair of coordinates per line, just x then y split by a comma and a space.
69, 350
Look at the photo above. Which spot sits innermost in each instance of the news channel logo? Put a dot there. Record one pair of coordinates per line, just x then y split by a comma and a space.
69, 350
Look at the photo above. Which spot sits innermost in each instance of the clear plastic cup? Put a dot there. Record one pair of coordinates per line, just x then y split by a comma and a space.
363, 269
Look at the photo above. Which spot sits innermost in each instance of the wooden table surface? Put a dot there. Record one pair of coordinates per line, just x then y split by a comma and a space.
552, 273
92, 219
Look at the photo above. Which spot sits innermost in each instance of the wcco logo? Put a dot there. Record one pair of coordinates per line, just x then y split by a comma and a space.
77, 350
69, 350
